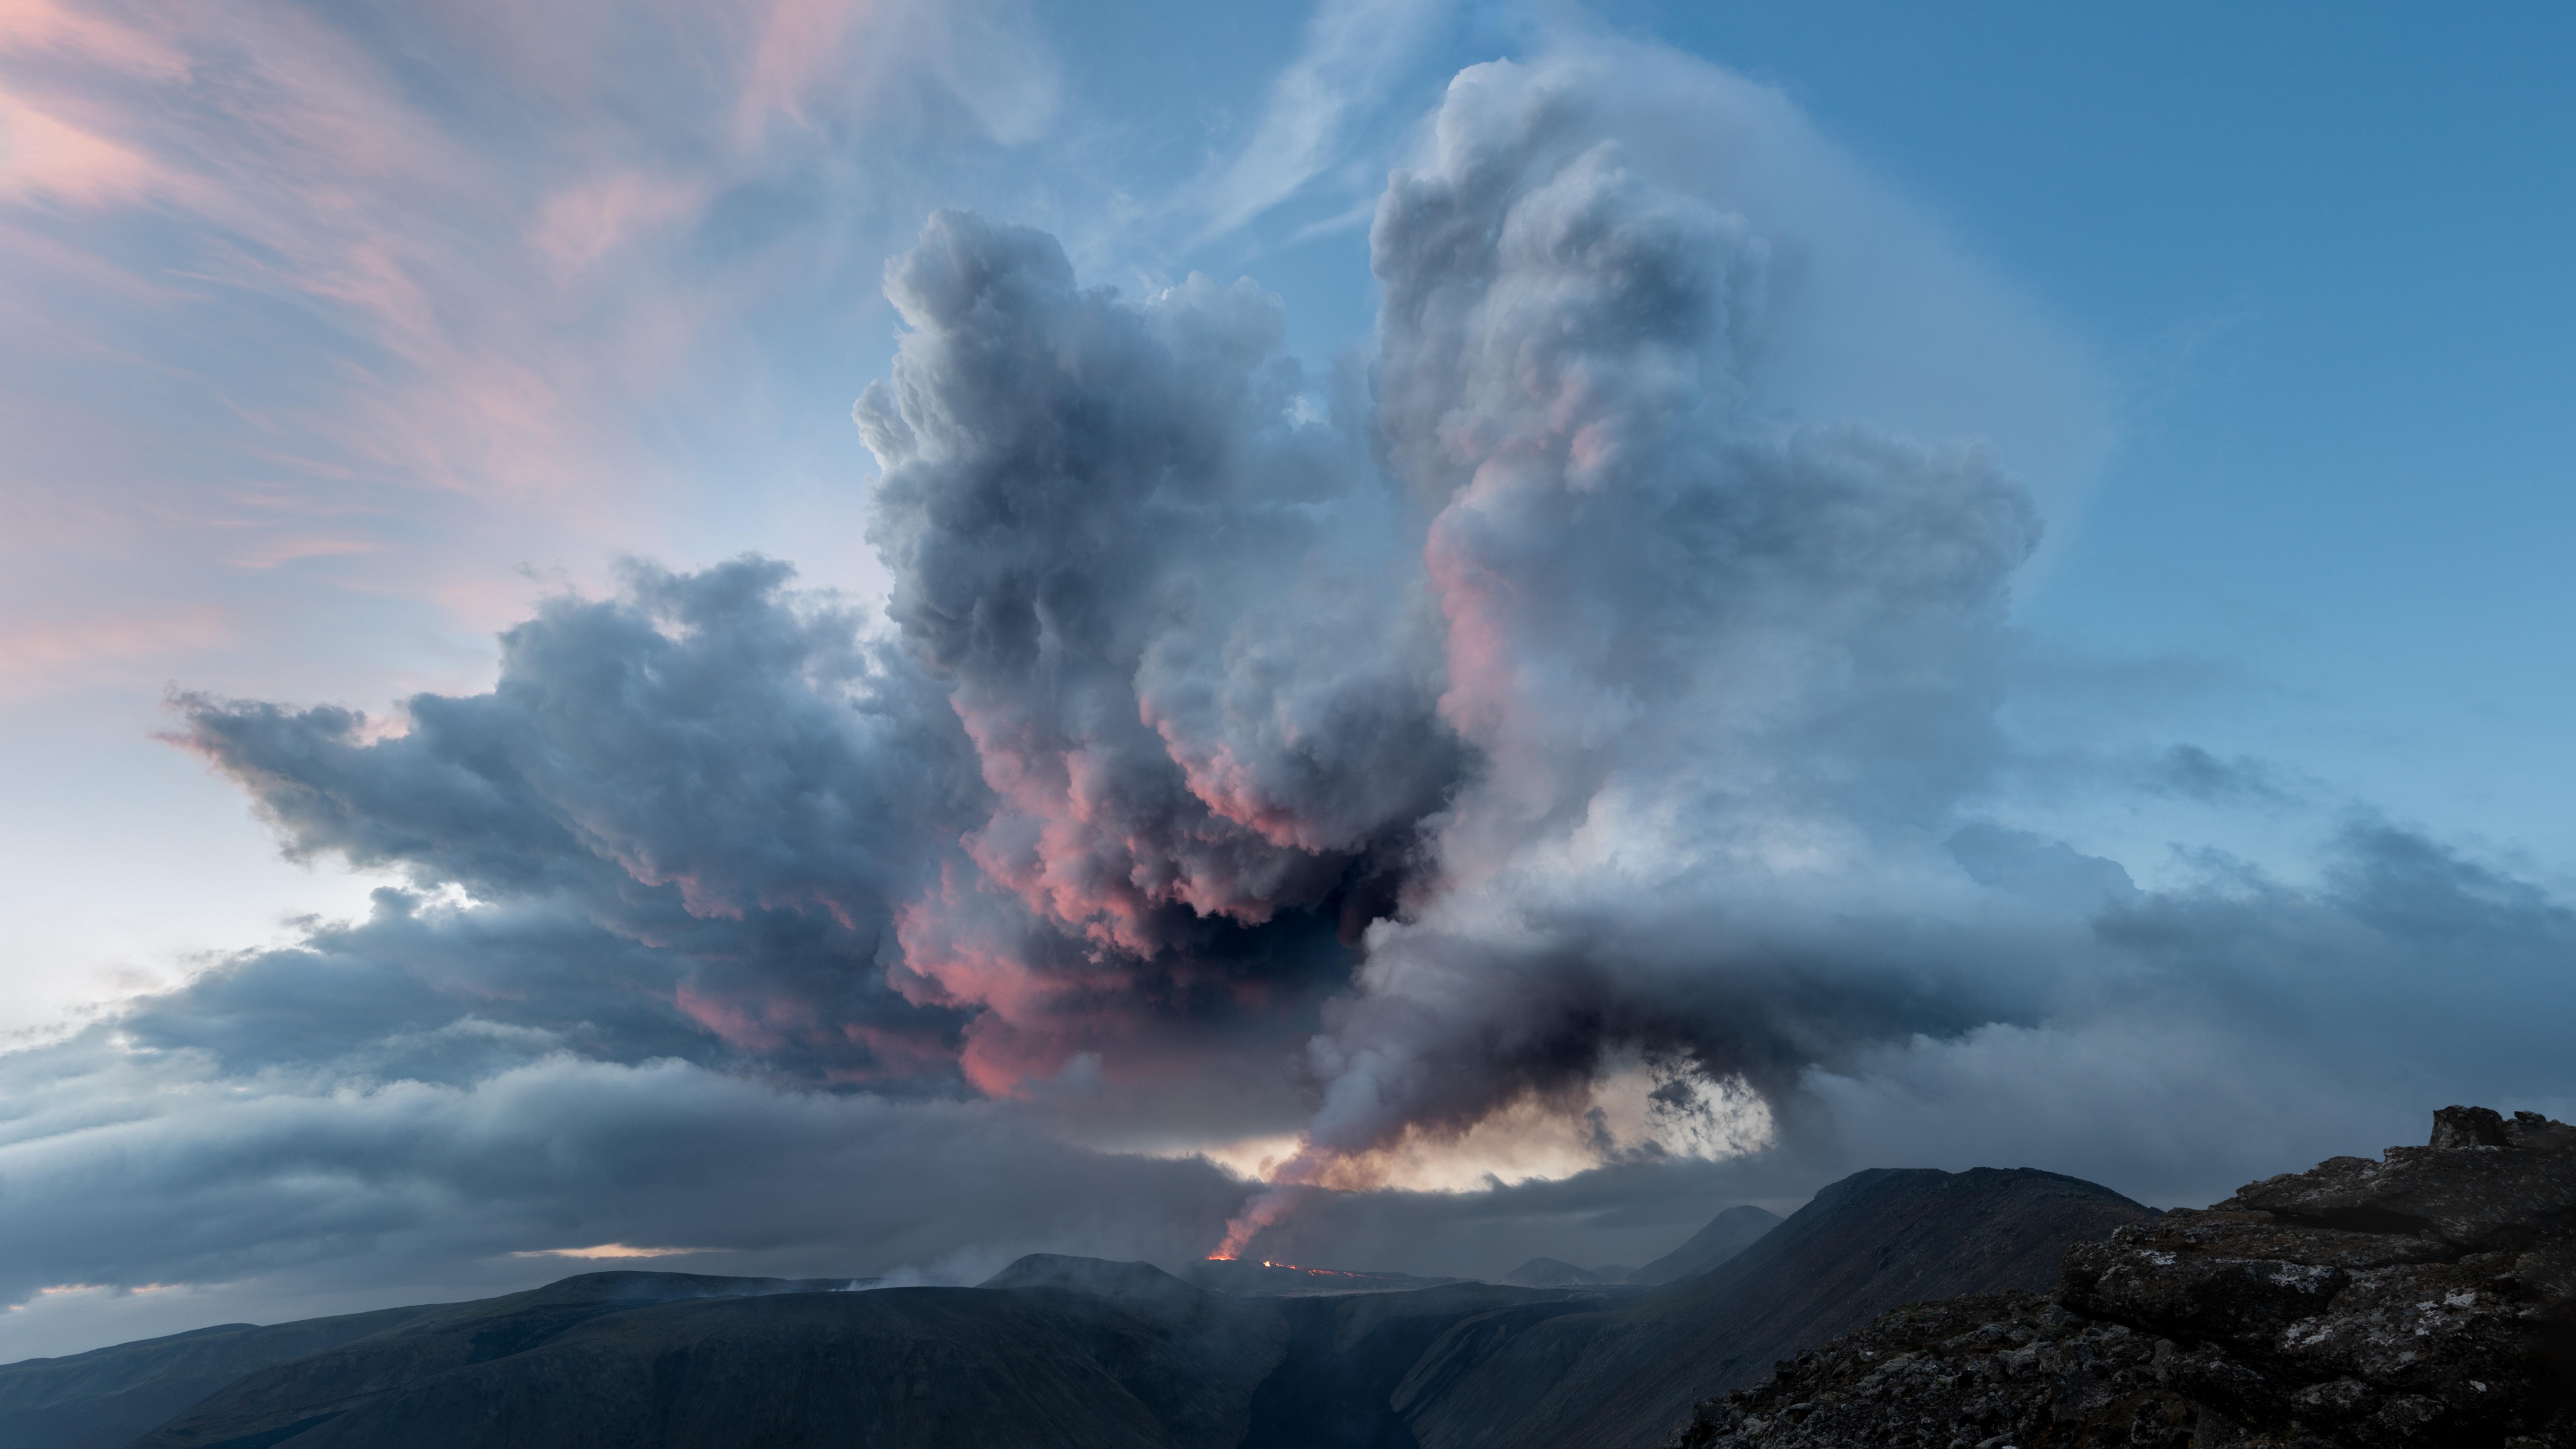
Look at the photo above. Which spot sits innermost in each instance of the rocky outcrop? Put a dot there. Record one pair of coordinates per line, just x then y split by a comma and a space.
1990, 1370
2425, 1299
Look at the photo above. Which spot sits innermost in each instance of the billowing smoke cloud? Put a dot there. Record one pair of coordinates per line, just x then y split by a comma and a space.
1704, 656
1219, 668
1177, 612
707, 793
1527, 770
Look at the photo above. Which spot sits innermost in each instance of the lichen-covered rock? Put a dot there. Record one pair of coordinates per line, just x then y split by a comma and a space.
2427, 1299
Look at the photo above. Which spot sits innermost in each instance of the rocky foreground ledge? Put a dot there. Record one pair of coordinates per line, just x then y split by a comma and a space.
2426, 1299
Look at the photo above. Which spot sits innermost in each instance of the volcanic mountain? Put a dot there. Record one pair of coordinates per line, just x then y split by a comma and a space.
1065, 1352
1624, 1374
1727, 1234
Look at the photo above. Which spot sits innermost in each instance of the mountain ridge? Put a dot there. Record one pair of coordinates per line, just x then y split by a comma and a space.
1082, 1353
1727, 1234
1624, 1376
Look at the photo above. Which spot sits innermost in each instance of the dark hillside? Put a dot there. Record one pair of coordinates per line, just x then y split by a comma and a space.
1626, 1376
1346, 1357
1078, 1353
103, 1398
1045, 1366
1727, 1234
2423, 1301
1052, 1353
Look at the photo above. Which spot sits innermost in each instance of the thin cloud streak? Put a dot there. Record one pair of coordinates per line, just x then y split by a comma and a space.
1355, 52
464, 310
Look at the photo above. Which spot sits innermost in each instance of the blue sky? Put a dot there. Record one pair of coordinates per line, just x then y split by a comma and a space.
345, 339
2316, 260
2320, 254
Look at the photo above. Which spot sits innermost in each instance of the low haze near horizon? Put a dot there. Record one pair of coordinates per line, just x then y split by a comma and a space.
344, 343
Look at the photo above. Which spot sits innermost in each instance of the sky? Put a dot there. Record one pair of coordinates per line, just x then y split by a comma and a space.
853, 638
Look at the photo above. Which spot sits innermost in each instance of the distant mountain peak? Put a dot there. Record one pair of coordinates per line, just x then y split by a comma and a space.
1102, 1276
1557, 1273
1727, 1234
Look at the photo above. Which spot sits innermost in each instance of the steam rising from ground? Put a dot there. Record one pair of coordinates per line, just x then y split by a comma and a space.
1533, 758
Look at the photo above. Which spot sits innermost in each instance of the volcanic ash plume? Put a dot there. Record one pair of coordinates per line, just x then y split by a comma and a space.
1176, 611
1720, 675
1608, 676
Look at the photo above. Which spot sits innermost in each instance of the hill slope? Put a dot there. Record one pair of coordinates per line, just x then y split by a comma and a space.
1119, 1360
1557, 1273
1051, 1353
103, 1398
1727, 1234
2433, 1295
1626, 1376
1077, 1353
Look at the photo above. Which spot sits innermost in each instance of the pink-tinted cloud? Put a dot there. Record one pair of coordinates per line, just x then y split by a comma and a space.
43, 157
800, 43
473, 321
88, 33
39, 655
582, 223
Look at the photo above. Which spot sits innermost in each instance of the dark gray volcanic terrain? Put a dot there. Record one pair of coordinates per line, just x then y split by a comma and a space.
1556, 1273
1078, 1352
103, 1398
1053, 1351
1727, 1234
2423, 1301
1348, 1358
1247, 1279
1628, 1375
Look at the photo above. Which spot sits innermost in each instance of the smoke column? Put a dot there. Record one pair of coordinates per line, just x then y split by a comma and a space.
1578, 675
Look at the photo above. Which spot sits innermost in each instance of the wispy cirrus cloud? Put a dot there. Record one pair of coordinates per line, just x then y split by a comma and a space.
337, 324
46, 158
1313, 120
455, 274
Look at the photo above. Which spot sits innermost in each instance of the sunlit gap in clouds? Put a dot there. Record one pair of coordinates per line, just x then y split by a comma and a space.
1632, 1112
612, 1251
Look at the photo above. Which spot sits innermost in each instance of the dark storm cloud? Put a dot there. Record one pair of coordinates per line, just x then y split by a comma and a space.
1178, 612
2406, 954
2192, 773
706, 796
196, 1175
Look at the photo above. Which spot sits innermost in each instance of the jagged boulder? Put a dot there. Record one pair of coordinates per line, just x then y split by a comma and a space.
2426, 1299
